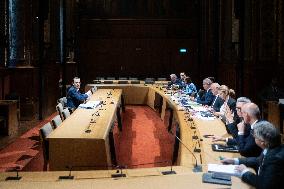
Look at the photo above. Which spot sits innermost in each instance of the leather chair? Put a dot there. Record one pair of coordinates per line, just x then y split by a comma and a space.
66, 113
56, 121
43, 133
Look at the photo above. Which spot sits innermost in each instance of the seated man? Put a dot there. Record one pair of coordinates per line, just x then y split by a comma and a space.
208, 97
245, 141
218, 101
174, 81
269, 165
233, 119
74, 97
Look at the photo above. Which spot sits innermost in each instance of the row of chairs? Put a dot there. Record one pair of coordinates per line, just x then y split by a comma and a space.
131, 78
46, 129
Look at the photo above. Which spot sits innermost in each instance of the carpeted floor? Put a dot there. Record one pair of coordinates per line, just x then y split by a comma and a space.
144, 142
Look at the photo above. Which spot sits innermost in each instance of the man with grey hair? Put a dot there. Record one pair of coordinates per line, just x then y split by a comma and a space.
174, 81
244, 140
269, 165
208, 97
233, 118
217, 102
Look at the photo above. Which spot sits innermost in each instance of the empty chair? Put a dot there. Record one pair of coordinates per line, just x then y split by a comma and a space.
43, 133
110, 78
162, 79
150, 79
122, 78
135, 82
122, 82
100, 78
63, 101
59, 109
108, 82
56, 121
65, 113
133, 78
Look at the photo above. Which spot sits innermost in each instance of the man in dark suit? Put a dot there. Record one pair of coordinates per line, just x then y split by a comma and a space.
208, 97
74, 96
235, 117
269, 165
175, 81
244, 140
217, 101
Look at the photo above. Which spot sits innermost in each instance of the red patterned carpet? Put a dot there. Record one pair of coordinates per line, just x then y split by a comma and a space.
144, 142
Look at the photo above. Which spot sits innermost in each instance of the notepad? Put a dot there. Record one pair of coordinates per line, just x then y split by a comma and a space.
219, 168
90, 104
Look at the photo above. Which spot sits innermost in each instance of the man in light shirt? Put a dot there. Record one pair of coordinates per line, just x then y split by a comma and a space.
269, 165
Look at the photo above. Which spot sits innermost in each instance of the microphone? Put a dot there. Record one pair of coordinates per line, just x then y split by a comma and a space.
197, 168
69, 177
119, 173
17, 177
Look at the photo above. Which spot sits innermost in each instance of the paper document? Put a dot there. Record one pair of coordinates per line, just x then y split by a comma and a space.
90, 104
227, 169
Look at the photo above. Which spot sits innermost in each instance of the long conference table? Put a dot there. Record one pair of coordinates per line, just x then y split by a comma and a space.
84, 142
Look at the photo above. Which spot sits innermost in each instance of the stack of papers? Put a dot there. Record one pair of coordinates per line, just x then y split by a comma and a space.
219, 168
90, 104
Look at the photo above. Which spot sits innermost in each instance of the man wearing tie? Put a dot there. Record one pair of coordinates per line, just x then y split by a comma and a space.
208, 97
217, 102
269, 165
244, 140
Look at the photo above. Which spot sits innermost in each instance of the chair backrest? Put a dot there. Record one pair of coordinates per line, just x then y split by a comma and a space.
44, 131
133, 78
66, 113
162, 79
122, 78
150, 79
59, 109
135, 82
110, 78
108, 82
123, 82
63, 101
56, 121
100, 78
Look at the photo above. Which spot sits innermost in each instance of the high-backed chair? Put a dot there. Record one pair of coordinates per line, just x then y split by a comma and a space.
110, 78
43, 133
66, 113
162, 79
133, 78
100, 78
59, 109
63, 101
122, 78
56, 121
150, 79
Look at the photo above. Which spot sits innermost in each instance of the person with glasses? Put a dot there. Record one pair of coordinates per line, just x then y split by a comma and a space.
244, 140
269, 165
190, 88
74, 96
208, 97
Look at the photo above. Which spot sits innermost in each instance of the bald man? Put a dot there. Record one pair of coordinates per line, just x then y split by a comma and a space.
244, 140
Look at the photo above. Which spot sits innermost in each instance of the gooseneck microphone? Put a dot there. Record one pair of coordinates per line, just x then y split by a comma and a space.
197, 168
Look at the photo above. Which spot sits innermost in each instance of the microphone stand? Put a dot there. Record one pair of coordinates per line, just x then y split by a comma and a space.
197, 168
17, 177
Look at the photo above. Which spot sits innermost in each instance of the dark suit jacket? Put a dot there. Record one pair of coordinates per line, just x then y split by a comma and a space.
206, 99
271, 174
74, 97
232, 104
246, 144
217, 104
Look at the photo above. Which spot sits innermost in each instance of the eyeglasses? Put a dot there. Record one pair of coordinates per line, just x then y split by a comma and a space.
238, 108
